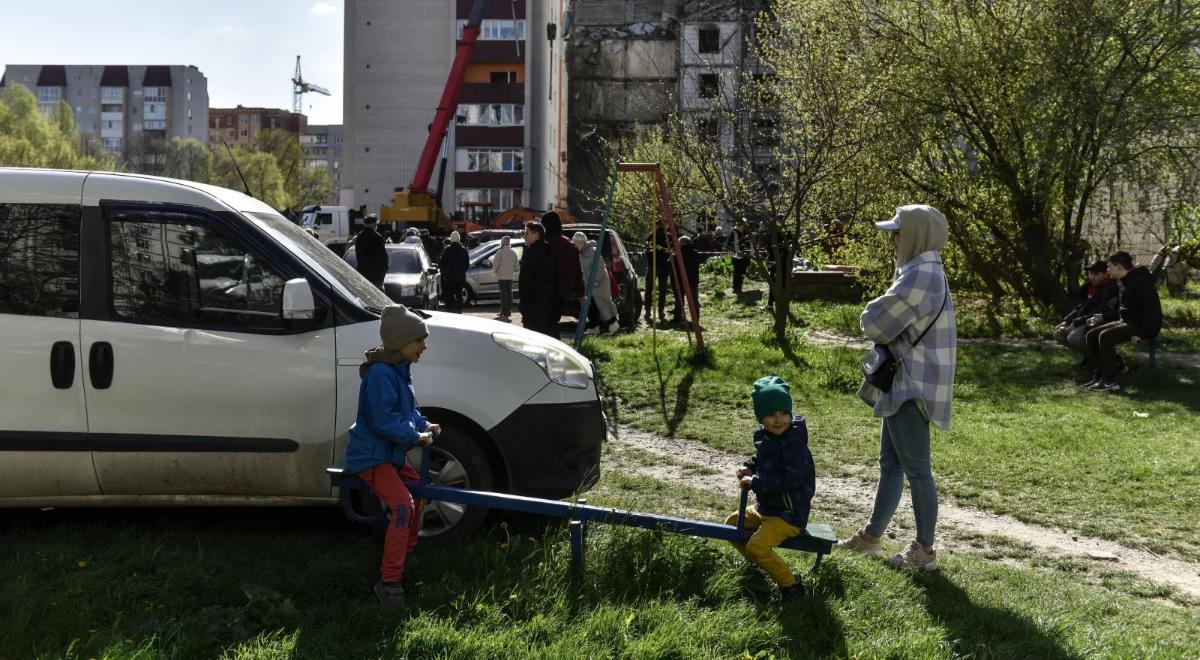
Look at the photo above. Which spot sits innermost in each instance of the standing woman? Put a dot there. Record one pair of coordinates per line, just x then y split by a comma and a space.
915, 320
504, 267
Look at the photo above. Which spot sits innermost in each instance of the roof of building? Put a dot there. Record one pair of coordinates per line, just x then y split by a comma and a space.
52, 75
115, 76
157, 76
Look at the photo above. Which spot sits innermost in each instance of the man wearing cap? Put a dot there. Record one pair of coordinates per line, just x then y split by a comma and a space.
1097, 296
915, 320
454, 265
370, 252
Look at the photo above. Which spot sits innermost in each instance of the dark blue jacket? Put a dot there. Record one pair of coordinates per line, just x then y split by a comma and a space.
388, 422
784, 476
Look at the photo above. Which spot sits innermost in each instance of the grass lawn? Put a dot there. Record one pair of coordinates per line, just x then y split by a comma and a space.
1025, 440
295, 583
276, 583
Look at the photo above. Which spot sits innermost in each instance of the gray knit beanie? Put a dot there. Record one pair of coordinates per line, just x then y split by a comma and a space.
398, 327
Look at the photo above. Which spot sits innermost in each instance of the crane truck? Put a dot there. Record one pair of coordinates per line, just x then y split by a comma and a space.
418, 206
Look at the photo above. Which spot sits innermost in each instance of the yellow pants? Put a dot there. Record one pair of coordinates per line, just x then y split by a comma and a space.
760, 549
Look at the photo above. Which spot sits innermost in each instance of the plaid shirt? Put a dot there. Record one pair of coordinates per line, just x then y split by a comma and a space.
897, 318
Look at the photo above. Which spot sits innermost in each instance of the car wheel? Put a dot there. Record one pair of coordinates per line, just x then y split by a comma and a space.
456, 461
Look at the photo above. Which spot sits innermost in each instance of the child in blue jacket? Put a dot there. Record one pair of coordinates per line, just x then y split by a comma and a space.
783, 479
388, 425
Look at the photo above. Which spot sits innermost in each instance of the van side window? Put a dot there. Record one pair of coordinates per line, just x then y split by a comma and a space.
170, 269
39, 260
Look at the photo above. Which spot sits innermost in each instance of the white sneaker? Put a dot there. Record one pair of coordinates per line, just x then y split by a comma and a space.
858, 543
915, 559
614, 328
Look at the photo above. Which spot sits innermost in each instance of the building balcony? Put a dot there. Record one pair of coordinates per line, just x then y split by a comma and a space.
485, 136
492, 93
489, 179
498, 52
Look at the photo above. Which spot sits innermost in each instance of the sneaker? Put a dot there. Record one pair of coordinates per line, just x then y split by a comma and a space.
1094, 381
1104, 385
1111, 386
915, 559
795, 592
614, 328
858, 543
390, 594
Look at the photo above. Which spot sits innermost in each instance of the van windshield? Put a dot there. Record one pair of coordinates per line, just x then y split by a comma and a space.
337, 271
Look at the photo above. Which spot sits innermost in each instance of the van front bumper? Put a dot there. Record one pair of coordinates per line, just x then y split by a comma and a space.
552, 450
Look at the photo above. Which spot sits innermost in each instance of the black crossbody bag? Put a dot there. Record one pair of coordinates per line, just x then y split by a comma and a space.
879, 366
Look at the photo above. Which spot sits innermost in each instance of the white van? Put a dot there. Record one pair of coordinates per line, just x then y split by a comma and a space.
173, 343
330, 223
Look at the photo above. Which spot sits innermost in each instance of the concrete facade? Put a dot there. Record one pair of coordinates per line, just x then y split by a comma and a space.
132, 109
241, 125
507, 141
321, 146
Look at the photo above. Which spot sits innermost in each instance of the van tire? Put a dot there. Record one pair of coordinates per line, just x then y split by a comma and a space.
454, 446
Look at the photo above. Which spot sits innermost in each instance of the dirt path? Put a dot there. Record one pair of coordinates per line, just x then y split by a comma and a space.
826, 338
690, 463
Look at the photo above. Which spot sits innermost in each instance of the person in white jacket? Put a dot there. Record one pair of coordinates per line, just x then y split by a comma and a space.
601, 289
504, 267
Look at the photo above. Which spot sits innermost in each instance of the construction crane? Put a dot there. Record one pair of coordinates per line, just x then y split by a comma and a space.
300, 87
417, 204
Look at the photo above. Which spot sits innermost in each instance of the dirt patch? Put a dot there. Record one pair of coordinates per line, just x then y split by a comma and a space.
958, 527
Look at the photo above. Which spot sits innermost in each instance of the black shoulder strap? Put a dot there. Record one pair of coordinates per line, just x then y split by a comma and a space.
935, 319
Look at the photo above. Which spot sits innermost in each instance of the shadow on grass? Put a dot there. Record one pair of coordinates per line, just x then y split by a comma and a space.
985, 632
693, 361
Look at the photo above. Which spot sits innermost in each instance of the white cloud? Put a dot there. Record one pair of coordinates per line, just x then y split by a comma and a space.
323, 8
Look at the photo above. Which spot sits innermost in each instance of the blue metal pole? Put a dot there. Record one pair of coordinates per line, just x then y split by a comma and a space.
597, 259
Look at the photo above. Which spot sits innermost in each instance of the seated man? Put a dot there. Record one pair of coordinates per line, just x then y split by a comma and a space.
1096, 297
1140, 318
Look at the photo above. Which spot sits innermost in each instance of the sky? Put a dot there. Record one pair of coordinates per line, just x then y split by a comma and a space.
245, 48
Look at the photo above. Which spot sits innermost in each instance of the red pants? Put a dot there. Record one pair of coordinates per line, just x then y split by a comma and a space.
404, 527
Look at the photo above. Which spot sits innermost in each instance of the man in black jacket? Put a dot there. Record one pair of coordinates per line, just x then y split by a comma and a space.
370, 253
454, 264
537, 286
1097, 296
1141, 318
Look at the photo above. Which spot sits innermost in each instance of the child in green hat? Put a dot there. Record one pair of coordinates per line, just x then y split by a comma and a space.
783, 479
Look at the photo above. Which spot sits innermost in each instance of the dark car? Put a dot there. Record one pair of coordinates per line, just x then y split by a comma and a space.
411, 279
629, 306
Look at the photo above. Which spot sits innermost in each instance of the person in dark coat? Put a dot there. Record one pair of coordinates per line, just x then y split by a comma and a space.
568, 273
658, 262
368, 249
1097, 296
1141, 318
453, 265
738, 245
537, 283
691, 265
432, 247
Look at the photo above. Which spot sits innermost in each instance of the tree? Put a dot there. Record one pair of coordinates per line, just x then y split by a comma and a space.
315, 185
188, 159
30, 139
261, 175
1010, 115
284, 147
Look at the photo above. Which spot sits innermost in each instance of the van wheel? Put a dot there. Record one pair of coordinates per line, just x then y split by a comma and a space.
458, 462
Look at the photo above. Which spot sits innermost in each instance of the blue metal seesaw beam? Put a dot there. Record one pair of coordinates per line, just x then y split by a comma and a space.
817, 538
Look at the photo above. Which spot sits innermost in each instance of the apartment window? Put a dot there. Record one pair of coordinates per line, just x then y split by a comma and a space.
497, 29
79, 93
710, 39
92, 93
155, 125
245, 132
242, 120
112, 95
108, 107
503, 77
112, 144
49, 94
137, 92
156, 94
476, 159
501, 198
708, 86
491, 114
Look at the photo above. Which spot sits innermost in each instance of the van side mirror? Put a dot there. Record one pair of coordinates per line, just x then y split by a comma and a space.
298, 304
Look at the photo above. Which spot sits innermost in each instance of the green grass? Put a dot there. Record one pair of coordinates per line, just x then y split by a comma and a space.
295, 583
1025, 441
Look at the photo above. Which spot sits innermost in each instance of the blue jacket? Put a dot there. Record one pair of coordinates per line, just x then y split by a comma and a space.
388, 422
784, 476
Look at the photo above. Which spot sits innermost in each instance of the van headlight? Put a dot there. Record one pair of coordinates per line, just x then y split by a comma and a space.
559, 365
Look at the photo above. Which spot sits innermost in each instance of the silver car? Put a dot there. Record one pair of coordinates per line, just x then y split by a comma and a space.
411, 278
481, 281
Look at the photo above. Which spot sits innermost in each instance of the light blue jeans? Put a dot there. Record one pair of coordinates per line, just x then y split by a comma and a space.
904, 452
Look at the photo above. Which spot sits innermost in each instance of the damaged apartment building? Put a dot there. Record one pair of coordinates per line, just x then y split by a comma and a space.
635, 63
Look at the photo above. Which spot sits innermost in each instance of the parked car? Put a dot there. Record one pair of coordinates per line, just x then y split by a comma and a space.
132, 376
481, 282
411, 278
629, 307
482, 236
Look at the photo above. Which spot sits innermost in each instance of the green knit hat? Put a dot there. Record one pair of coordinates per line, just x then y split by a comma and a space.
771, 393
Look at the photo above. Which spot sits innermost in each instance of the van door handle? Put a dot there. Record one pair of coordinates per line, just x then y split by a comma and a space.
100, 365
62, 364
